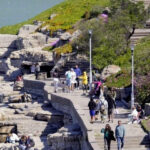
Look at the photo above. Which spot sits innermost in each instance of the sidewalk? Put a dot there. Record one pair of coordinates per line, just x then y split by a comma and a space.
134, 132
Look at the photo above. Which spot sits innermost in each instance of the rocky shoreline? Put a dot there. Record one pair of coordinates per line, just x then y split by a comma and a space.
50, 128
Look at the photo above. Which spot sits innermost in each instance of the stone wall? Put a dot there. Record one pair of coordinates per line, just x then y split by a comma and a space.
67, 106
147, 109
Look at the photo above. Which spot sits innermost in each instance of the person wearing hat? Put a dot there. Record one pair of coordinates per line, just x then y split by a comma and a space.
73, 79
84, 82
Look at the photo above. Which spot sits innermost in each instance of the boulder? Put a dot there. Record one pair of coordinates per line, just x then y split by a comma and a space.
3, 66
31, 54
18, 85
8, 41
2, 116
65, 139
5, 52
9, 146
52, 16
31, 41
109, 70
65, 36
27, 29
75, 35
14, 99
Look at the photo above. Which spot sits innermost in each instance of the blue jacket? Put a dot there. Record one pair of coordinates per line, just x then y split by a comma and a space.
120, 131
77, 71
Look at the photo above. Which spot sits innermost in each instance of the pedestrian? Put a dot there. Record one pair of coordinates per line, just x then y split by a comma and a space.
30, 143
108, 137
111, 105
37, 70
97, 109
56, 80
73, 79
32, 69
78, 73
103, 109
23, 143
84, 82
68, 80
97, 88
92, 106
120, 134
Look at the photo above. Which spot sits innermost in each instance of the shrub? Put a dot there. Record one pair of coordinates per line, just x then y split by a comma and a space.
67, 48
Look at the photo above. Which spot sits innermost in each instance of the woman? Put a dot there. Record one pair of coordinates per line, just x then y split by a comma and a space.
84, 82
108, 136
23, 143
92, 106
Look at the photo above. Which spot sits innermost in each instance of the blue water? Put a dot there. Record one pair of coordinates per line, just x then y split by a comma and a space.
15, 11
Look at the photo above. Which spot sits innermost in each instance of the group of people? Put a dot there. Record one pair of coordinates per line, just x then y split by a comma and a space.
136, 115
72, 80
104, 104
25, 142
35, 69
109, 136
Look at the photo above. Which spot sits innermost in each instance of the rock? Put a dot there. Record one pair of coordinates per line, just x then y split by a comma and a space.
5, 52
52, 16
31, 41
2, 116
3, 66
27, 29
5, 130
75, 35
14, 99
65, 36
17, 106
8, 41
65, 140
38, 23
31, 54
9, 146
18, 86
109, 70
1, 97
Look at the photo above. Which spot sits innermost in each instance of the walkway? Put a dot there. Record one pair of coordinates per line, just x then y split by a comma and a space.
134, 133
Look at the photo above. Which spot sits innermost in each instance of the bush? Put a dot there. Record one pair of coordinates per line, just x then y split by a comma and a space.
67, 48
119, 80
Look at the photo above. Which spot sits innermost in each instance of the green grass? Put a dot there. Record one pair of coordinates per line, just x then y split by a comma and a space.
146, 124
68, 13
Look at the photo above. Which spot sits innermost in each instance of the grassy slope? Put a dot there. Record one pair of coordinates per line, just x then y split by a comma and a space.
69, 12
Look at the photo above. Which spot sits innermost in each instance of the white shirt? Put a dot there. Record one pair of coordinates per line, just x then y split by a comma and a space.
73, 77
134, 113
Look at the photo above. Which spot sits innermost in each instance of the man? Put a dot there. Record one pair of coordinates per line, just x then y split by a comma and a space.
120, 133
30, 143
78, 73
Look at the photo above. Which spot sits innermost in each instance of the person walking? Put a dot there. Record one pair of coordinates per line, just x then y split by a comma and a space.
84, 82
78, 73
73, 79
108, 137
68, 80
56, 80
120, 134
37, 70
111, 105
92, 106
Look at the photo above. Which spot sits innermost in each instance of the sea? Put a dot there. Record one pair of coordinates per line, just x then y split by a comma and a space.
15, 11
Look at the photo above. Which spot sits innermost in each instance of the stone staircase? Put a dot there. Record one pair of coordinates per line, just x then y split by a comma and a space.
139, 34
135, 137
82, 63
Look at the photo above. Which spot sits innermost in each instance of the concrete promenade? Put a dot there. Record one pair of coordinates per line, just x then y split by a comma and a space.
76, 104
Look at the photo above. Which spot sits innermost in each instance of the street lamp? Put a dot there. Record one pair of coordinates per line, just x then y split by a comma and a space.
132, 89
90, 48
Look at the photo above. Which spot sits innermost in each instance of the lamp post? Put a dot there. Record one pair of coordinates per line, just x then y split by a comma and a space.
90, 48
132, 89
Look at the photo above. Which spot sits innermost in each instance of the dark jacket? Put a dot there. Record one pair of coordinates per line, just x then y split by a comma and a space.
92, 105
111, 102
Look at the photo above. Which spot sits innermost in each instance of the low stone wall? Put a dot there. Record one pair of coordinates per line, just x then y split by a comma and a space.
67, 106
147, 109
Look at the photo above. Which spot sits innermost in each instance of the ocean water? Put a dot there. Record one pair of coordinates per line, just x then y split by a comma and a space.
15, 11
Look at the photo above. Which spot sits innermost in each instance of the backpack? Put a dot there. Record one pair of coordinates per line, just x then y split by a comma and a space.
102, 108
